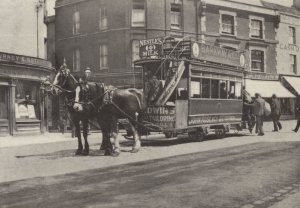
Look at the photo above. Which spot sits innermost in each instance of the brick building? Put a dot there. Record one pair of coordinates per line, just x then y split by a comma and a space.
104, 35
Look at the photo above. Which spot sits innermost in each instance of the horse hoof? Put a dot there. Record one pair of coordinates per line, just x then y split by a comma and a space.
85, 153
78, 152
134, 150
115, 154
102, 151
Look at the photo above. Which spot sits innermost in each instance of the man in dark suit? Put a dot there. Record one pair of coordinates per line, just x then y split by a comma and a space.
276, 113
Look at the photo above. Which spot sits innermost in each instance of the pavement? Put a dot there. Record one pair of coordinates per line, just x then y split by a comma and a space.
21, 140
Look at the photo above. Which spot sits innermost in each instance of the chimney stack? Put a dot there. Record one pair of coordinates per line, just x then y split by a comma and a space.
296, 4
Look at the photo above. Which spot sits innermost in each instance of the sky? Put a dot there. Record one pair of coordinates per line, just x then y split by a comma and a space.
51, 4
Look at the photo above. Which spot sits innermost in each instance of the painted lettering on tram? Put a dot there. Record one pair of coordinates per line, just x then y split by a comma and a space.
198, 120
163, 116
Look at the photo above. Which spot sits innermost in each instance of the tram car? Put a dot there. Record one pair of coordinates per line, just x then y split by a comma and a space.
191, 87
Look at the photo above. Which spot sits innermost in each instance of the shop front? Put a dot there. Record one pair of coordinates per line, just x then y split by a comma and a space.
267, 85
22, 101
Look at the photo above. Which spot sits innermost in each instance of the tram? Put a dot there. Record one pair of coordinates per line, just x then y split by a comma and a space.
191, 87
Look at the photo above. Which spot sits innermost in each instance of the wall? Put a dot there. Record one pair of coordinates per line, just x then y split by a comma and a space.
284, 49
19, 29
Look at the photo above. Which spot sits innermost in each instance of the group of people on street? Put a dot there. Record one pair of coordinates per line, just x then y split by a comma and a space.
255, 111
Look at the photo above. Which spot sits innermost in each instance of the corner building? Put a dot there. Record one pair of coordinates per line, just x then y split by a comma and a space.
104, 35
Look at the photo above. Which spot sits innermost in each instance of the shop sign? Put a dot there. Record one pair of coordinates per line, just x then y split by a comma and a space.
261, 76
212, 119
151, 48
289, 47
24, 59
217, 55
163, 116
31, 111
22, 110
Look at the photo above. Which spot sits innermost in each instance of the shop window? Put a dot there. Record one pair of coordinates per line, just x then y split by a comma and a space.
256, 28
135, 50
138, 13
3, 103
286, 106
176, 16
257, 60
103, 56
205, 88
292, 35
102, 18
76, 22
227, 23
76, 60
27, 100
293, 64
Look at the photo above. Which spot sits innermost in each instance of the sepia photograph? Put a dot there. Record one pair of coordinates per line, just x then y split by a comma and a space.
149, 103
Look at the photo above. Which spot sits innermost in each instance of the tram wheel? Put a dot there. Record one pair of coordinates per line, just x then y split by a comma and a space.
198, 135
170, 134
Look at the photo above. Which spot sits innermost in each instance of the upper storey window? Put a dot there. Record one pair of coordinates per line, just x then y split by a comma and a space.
102, 18
256, 27
228, 23
76, 22
292, 35
138, 13
258, 60
176, 15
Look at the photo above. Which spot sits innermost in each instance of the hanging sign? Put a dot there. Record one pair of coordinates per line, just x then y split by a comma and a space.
151, 48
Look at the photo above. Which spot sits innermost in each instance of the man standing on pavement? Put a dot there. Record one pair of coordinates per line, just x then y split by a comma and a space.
259, 112
275, 113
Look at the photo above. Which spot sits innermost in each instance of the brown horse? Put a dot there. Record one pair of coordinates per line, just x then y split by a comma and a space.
117, 104
66, 84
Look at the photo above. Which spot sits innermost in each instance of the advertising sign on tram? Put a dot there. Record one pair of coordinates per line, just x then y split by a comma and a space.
151, 48
163, 116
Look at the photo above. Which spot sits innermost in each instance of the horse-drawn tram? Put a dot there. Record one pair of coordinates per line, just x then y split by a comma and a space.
191, 87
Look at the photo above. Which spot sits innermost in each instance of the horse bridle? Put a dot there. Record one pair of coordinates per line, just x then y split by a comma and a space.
66, 73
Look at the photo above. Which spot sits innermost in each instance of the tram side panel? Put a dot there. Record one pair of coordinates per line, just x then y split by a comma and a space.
213, 112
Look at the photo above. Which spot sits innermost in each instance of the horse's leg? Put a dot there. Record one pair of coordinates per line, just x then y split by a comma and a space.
114, 131
136, 137
78, 134
85, 124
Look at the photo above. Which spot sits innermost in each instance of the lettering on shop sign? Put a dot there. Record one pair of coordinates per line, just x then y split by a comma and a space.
151, 48
163, 116
259, 75
289, 47
213, 119
23, 59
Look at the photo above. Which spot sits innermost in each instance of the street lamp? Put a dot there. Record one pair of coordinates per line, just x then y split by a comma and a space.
38, 6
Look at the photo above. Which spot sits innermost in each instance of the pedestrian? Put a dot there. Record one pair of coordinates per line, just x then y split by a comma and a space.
248, 111
297, 112
276, 113
259, 112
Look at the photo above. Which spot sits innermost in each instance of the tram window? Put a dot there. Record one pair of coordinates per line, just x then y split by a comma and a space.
205, 88
214, 88
223, 89
238, 90
195, 88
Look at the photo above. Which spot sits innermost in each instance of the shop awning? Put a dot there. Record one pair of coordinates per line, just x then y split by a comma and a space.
267, 88
294, 82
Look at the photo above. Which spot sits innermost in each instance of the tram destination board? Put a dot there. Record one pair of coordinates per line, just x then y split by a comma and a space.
163, 116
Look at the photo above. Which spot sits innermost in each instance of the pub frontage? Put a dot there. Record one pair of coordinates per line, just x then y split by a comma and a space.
23, 103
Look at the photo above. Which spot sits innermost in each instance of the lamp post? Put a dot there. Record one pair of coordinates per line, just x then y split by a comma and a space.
38, 6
